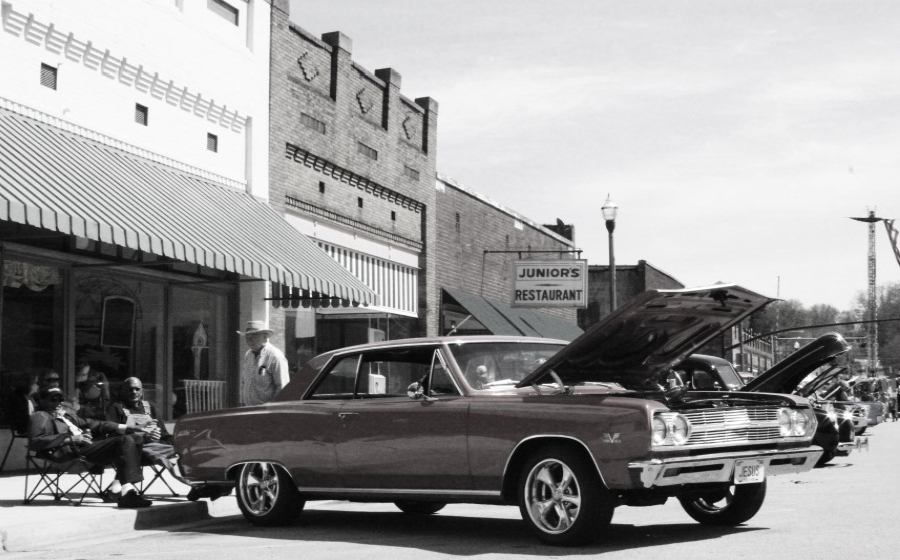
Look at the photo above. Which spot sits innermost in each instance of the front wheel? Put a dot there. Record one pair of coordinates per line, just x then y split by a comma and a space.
732, 506
420, 508
267, 496
826, 458
562, 499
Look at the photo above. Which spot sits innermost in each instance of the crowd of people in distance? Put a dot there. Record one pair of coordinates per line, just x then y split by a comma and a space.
90, 424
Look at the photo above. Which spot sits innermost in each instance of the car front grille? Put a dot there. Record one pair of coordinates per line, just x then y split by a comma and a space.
733, 426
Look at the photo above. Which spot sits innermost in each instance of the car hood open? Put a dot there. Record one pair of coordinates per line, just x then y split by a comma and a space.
786, 375
655, 330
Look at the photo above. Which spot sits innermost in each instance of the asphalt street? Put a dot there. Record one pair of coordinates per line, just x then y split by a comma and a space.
849, 509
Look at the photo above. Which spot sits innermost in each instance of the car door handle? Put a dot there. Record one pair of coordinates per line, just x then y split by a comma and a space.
344, 415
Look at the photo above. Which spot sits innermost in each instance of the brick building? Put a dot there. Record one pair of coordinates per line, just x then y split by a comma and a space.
352, 165
630, 281
479, 241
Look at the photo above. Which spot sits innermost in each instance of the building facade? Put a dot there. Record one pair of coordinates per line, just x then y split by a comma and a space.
479, 242
630, 281
135, 235
352, 164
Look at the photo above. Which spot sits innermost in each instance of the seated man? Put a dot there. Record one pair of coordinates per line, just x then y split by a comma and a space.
59, 436
134, 410
49, 378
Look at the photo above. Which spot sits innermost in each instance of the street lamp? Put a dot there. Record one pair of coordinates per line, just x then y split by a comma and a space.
609, 210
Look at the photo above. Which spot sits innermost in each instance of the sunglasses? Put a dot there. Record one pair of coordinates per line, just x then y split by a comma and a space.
52, 380
56, 399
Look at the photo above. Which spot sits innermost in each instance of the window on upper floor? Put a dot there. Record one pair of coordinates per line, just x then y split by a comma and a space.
411, 173
366, 150
48, 76
225, 10
141, 114
212, 142
311, 122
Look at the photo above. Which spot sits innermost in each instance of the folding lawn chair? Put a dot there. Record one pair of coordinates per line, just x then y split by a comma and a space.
52, 478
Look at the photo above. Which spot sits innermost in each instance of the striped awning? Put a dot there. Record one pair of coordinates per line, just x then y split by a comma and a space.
63, 181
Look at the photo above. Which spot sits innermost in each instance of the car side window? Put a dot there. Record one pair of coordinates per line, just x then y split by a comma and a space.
339, 381
389, 373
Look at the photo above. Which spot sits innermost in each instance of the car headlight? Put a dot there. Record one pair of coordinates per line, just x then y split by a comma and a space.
796, 423
784, 422
671, 428
660, 430
681, 429
800, 423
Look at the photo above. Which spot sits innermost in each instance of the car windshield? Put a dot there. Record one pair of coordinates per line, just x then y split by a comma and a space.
497, 365
732, 380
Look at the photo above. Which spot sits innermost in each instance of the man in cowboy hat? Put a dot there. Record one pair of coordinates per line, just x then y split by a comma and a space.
264, 370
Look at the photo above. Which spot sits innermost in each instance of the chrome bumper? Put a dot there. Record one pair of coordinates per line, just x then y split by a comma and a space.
860, 443
719, 467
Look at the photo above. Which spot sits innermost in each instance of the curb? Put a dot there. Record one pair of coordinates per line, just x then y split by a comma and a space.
67, 523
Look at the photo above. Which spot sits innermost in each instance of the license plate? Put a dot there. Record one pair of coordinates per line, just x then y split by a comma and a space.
749, 471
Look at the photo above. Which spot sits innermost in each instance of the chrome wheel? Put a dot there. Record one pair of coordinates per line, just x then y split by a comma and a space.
553, 496
267, 495
562, 500
259, 487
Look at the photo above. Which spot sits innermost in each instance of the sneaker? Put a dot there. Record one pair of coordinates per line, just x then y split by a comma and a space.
133, 500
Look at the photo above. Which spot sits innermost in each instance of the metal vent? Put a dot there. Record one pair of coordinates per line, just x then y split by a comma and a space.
48, 76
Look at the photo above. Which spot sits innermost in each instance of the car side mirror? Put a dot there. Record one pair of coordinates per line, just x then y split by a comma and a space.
415, 391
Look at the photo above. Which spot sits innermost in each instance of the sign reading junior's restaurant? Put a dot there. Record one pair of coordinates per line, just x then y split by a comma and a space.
549, 283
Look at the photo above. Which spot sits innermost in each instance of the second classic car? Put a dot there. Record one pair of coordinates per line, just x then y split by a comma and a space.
566, 432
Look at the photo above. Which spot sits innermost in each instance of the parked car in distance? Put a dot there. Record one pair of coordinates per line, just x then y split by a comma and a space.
566, 432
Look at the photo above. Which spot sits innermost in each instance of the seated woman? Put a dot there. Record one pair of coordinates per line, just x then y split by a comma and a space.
60, 437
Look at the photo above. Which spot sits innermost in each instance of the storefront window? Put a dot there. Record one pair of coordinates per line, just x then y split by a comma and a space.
202, 351
31, 334
118, 334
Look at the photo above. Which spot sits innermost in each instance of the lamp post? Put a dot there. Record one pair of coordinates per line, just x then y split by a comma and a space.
609, 210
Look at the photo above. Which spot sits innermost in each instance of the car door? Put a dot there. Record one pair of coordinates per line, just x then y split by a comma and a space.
391, 441
307, 429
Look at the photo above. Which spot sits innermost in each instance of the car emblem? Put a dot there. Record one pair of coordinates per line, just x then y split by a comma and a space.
611, 438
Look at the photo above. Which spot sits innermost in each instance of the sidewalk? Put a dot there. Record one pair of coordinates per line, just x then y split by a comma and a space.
26, 527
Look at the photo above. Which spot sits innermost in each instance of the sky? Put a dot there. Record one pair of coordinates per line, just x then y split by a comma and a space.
737, 138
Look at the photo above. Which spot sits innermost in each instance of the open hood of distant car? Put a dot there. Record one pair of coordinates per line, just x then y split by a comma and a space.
786, 375
655, 330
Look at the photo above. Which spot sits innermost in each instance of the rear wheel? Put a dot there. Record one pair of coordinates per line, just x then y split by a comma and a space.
267, 495
731, 506
562, 499
420, 508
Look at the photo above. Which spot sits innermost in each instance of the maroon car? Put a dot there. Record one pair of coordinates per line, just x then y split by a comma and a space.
565, 431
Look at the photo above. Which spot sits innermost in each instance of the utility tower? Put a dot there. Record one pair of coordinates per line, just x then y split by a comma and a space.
872, 328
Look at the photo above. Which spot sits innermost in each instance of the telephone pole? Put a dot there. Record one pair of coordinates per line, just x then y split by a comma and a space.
872, 328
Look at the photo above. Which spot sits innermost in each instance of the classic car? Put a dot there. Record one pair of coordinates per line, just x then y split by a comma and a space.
566, 432
866, 413
806, 371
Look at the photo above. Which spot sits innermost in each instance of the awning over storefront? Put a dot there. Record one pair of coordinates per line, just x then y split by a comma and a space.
500, 318
65, 182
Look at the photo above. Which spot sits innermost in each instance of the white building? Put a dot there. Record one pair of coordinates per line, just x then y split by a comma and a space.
133, 164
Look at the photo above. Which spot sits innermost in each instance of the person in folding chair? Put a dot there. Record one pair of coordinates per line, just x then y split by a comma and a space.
135, 410
60, 437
